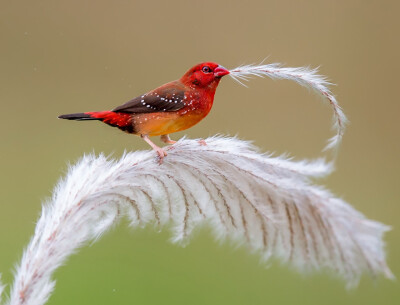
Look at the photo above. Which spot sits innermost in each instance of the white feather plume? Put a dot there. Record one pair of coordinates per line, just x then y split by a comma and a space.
304, 76
266, 203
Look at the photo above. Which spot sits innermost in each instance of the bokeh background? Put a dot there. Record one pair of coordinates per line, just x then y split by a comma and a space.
69, 56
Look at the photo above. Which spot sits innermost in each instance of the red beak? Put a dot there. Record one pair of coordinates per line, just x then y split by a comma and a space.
220, 71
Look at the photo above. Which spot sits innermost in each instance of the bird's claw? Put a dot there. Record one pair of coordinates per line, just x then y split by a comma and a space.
161, 154
167, 140
202, 142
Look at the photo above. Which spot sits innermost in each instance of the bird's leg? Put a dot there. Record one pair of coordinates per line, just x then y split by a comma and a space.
166, 139
161, 152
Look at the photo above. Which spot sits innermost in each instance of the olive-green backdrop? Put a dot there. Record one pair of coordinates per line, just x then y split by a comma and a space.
68, 56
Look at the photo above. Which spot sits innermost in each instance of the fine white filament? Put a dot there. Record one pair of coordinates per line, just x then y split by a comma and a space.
266, 203
306, 77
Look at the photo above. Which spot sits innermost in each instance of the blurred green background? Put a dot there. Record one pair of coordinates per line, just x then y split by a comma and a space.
71, 56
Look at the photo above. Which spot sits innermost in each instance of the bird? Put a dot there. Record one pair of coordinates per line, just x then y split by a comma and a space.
172, 107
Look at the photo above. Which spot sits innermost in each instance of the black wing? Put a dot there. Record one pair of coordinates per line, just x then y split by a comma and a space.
163, 99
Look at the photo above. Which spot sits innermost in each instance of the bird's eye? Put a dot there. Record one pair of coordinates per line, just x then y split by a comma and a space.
206, 69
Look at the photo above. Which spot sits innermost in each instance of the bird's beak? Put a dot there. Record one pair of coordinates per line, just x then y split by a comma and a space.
220, 71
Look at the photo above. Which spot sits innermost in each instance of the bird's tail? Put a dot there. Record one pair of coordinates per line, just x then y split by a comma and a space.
79, 116
116, 119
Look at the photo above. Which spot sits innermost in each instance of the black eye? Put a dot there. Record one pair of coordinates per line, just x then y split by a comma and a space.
206, 69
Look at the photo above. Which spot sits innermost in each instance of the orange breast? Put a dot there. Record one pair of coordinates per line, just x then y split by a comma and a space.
155, 124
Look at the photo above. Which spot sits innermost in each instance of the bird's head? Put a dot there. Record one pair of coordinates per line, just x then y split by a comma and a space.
206, 74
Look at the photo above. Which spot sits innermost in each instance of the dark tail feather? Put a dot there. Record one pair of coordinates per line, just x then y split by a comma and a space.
77, 117
121, 120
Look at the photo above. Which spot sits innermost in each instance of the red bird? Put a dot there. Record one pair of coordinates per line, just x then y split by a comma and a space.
172, 107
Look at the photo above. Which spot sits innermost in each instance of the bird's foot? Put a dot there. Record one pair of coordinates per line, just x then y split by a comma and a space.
171, 142
166, 139
202, 142
161, 154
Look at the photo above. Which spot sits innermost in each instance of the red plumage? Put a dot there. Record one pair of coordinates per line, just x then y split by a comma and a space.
112, 118
172, 107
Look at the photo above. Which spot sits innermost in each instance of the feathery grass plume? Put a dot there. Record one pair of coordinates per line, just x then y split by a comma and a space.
304, 76
1, 289
266, 203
